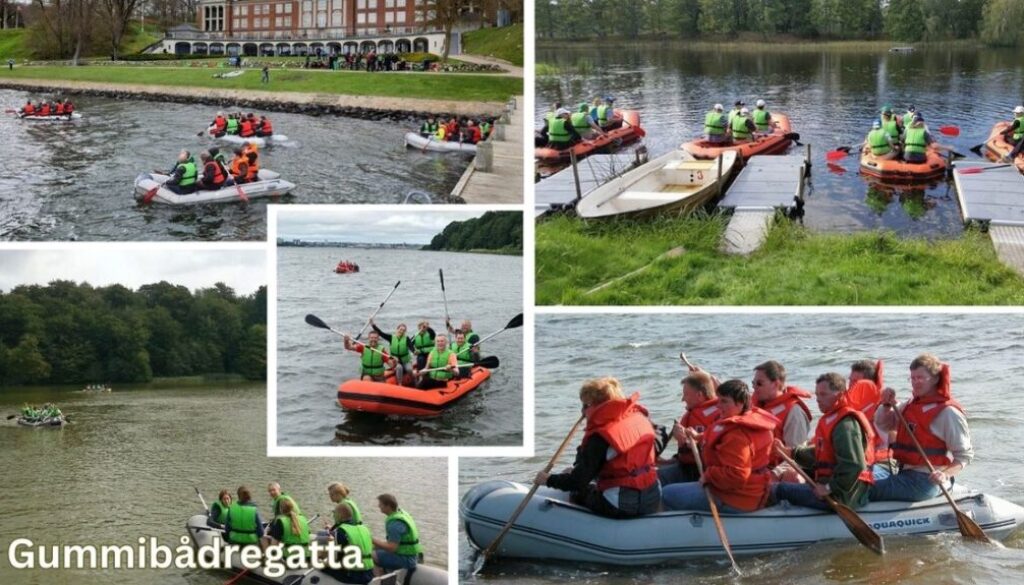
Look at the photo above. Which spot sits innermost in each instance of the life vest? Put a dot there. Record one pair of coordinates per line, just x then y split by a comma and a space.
69, 107
276, 504
29, 109
864, 396
246, 129
485, 129
45, 110
232, 126
557, 132
914, 140
474, 134
757, 426
602, 115
761, 118
436, 360
236, 165
624, 425
579, 121
266, 127
372, 362
189, 176
359, 536
400, 348
699, 419
357, 516
243, 524
780, 406
739, 128
423, 342
891, 126
440, 133
219, 123
288, 538
452, 130
1018, 132
920, 413
470, 337
551, 115
220, 512
218, 173
732, 115
824, 451
428, 128
254, 163
878, 140
60, 109
908, 119
410, 543
462, 351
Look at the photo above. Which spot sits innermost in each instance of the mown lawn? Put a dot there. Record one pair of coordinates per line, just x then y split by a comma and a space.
12, 45
504, 43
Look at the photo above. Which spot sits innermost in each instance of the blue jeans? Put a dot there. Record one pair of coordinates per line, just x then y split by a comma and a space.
670, 473
800, 494
390, 561
905, 486
880, 471
691, 496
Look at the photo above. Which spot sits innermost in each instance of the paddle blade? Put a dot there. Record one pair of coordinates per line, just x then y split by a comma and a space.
971, 170
490, 362
316, 321
834, 155
148, 197
860, 529
440, 273
949, 130
478, 564
970, 529
241, 194
516, 321
976, 149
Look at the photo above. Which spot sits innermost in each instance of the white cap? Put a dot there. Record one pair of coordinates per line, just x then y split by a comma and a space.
1018, 110
744, 111
760, 103
718, 107
562, 112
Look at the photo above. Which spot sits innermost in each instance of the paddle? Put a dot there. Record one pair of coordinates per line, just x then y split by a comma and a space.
444, 295
639, 131
513, 323
241, 194
201, 499
430, 138
317, 322
490, 362
493, 547
860, 529
976, 170
968, 527
976, 149
794, 136
379, 307
949, 130
148, 197
711, 503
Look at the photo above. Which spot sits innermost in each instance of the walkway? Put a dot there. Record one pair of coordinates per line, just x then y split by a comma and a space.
503, 182
509, 68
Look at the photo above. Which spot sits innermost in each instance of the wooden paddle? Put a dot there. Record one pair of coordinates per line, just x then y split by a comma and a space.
711, 503
968, 527
493, 547
976, 170
379, 307
860, 529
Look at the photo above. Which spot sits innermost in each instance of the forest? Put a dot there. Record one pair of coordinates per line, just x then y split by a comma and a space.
69, 333
995, 22
494, 230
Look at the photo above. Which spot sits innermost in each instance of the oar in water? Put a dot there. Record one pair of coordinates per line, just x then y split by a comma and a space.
968, 527
379, 307
839, 153
976, 170
949, 130
318, 322
860, 529
430, 138
490, 362
493, 547
241, 194
714, 507
444, 295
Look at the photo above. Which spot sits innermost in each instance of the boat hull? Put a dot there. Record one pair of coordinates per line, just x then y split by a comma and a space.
414, 140
390, 399
996, 147
775, 143
625, 132
934, 167
270, 185
259, 141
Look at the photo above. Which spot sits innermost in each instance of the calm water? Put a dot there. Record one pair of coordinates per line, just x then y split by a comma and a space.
642, 350
311, 363
75, 181
127, 465
831, 97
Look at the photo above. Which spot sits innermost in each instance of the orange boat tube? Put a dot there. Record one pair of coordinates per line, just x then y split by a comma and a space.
996, 147
775, 143
390, 398
934, 167
622, 130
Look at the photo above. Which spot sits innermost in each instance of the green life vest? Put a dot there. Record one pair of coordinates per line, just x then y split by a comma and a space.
189, 176
289, 538
579, 121
462, 351
557, 132
434, 360
1018, 132
232, 127
373, 362
220, 512
908, 119
400, 347
602, 115
410, 543
357, 516
549, 116
914, 141
423, 342
891, 127
428, 128
761, 117
739, 128
243, 524
878, 140
276, 505
359, 535
485, 129
713, 123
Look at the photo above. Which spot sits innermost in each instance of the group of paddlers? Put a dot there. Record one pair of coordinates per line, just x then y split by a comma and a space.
563, 128
455, 130
47, 411
241, 125
55, 109
213, 171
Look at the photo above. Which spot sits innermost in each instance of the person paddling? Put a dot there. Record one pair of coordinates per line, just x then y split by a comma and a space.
442, 361
374, 357
277, 497
429, 127
701, 412
400, 346
243, 525
183, 175
219, 509
715, 125
339, 493
219, 126
264, 128
865, 394
289, 528
213, 176
880, 143
1014, 134
402, 547
346, 531
423, 342
559, 132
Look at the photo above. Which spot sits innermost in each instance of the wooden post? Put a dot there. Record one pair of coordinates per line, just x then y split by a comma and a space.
484, 161
575, 173
807, 159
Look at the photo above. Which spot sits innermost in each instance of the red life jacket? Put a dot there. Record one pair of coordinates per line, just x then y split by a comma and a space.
757, 425
920, 413
245, 128
699, 419
220, 124
218, 173
624, 425
780, 408
60, 109
69, 107
45, 110
824, 450
266, 127
29, 109
865, 396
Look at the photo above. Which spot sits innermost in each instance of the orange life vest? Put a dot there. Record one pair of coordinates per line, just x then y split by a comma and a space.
780, 406
29, 109
60, 109
699, 419
69, 107
824, 450
45, 110
865, 396
218, 173
624, 425
266, 127
756, 426
920, 413
236, 165
245, 128
254, 167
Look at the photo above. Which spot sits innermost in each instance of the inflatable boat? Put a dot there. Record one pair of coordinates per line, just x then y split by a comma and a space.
96, 389
202, 535
775, 143
259, 141
552, 528
53, 118
621, 130
270, 185
934, 167
52, 422
390, 398
415, 140
996, 147
343, 270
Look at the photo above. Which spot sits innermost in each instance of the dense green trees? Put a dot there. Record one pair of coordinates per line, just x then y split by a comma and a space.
68, 333
494, 230
899, 20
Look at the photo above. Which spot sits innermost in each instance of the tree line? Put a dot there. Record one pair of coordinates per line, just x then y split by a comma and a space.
494, 230
68, 333
996, 22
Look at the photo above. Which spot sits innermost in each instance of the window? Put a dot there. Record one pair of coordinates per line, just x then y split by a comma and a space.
288, 22
389, 3
371, 4
361, 5
266, 22
322, 5
256, 9
307, 20
245, 11
401, 17
288, 8
389, 17
361, 18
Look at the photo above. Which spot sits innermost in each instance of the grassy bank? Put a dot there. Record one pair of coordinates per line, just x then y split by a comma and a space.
12, 45
425, 86
502, 43
794, 267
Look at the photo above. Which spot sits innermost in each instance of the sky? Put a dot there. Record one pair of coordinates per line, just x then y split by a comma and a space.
367, 226
242, 270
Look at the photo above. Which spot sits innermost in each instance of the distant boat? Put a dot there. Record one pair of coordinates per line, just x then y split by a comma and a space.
901, 50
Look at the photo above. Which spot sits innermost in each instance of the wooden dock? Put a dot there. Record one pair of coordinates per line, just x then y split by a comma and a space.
559, 189
765, 184
995, 198
498, 177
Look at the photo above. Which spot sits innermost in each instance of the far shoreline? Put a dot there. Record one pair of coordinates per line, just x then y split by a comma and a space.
746, 43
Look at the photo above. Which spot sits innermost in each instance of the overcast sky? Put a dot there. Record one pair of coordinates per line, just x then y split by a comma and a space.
242, 270
367, 225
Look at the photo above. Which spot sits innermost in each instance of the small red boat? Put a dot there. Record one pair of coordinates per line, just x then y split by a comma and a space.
623, 129
346, 267
775, 143
390, 398
996, 147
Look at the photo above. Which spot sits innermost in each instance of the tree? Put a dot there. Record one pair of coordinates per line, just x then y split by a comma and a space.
25, 363
1002, 22
904, 21
252, 358
118, 13
444, 14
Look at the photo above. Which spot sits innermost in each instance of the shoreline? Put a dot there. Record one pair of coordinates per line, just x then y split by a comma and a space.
783, 43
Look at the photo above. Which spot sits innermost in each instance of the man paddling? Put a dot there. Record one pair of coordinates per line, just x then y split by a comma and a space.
374, 357
559, 133
277, 496
400, 346
243, 524
184, 175
701, 412
348, 531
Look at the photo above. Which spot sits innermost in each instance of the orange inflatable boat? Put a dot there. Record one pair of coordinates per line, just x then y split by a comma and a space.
775, 143
622, 130
934, 167
996, 147
390, 398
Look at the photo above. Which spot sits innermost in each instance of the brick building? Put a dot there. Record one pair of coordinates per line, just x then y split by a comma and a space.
321, 19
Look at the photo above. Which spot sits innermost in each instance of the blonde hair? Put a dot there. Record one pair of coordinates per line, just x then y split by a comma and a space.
338, 488
287, 508
927, 361
601, 390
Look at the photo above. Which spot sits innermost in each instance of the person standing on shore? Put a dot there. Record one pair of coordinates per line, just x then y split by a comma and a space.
10, 64
265, 78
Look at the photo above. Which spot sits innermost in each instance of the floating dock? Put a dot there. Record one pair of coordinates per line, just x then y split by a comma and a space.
994, 197
496, 173
765, 184
559, 189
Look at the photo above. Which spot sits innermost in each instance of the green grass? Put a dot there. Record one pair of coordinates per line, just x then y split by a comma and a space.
12, 45
463, 87
136, 39
503, 43
794, 267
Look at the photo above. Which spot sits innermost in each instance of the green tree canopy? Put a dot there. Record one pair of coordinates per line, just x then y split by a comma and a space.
494, 230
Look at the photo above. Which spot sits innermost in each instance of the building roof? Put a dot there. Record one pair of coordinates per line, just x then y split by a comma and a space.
184, 27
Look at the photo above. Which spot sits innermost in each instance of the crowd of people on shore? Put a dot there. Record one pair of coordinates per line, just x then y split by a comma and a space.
466, 130
241, 125
564, 128
401, 547
213, 171
389, 357
863, 448
57, 109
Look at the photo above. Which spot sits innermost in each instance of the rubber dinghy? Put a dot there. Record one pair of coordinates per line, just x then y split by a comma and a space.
53, 118
415, 140
934, 167
621, 130
270, 185
202, 535
50, 422
552, 528
259, 141
390, 398
996, 147
775, 143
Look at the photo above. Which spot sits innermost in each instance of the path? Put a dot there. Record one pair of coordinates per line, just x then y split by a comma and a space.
503, 182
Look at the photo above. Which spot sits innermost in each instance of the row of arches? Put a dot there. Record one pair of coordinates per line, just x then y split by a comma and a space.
418, 45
